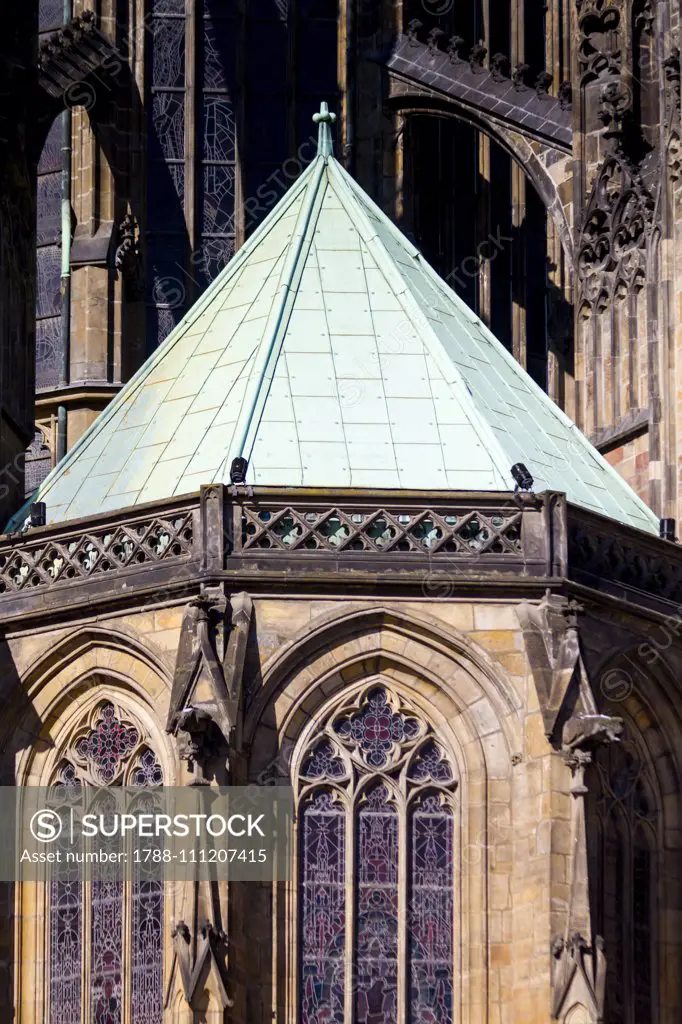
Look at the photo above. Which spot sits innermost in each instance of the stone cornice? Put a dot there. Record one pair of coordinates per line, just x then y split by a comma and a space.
437, 545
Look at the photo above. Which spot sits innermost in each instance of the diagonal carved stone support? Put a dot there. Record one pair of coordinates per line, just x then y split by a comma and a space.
74, 52
574, 726
206, 700
198, 969
567, 702
579, 961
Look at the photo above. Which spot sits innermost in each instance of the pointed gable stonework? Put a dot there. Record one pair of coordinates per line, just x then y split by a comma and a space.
328, 353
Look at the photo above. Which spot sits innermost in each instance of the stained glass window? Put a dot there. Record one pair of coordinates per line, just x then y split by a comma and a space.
65, 902
377, 909
621, 836
376, 774
431, 912
147, 924
37, 463
107, 749
107, 744
48, 280
167, 241
265, 65
191, 86
323, 762
377, 728
218, 116
50, 14
106, 935
323, 928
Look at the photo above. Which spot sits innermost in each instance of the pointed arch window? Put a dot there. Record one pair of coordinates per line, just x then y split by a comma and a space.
105, 952
211, 65
376, 810
622, 839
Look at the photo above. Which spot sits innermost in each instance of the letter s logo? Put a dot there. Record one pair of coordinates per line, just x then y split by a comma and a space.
46, 826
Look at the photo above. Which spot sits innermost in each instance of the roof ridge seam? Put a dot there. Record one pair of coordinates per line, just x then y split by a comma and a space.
273, 336
232, 268
623, 487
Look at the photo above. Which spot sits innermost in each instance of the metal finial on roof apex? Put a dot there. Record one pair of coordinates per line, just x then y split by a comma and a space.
324, 119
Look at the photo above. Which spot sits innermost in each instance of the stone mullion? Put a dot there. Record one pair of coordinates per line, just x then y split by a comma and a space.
403, 917
389, 157
345, 49
584, 382
611, 368
517, 29
133, 319
518, 196
558, 378
649, 302
401, 156
86, 935
483, 225
555, 43
670, 331
602, 354
127, 946
349, 972
519, 268
106, 192
290, 85
239, 221
629, 334
31, 964
95, 314
191, 142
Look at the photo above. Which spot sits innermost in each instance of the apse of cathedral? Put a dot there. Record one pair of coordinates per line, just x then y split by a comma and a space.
339, 418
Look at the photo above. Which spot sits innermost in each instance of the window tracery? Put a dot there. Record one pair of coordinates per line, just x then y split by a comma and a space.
196, 95
374, 782
106, 749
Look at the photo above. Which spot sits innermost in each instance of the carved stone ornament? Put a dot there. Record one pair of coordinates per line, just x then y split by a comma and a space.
128, 259
477, 56
206, 700
433, 39
618, 219
615, 111
412, 30
565, 95
578, 967
579, 961
573, 725
499, 67
453, 49
198, 965
671, 71
76, 52
542, 84
519, 77
599, 47
567, 703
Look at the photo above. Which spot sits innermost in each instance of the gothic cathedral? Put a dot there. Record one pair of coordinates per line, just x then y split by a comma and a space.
340, 377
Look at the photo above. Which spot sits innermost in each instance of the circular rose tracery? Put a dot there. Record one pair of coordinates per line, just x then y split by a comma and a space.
108, 743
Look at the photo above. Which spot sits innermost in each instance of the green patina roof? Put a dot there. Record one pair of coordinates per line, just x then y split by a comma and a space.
330, 354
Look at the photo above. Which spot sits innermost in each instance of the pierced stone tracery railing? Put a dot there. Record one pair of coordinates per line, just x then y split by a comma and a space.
642, 563
306, 534
347, 530
50, 560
